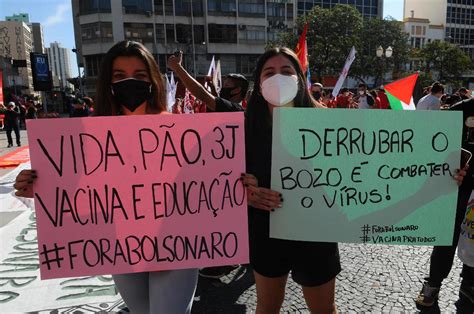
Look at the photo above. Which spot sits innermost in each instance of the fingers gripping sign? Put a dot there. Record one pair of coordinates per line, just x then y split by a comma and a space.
24, 183
259, 197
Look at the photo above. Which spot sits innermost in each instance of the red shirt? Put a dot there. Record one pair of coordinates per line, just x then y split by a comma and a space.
384, 103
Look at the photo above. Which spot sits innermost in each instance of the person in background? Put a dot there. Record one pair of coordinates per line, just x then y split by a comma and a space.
233, 91
326, 99
31, 111
317, 90
79, 108
384, 102
432, 101
130, 83
364, 100
344, 99
2, 116
12, 124
442, 257
464, 93
231, 96
317, 93
89, 105
378, 102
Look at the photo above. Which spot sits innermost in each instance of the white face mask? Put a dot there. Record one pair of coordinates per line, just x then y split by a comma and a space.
361, 92
280, 89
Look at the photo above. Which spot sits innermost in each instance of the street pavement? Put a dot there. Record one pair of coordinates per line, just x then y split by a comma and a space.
375, 278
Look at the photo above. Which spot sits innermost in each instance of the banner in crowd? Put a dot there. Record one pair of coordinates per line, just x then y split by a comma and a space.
365, 176
141, 193
345, 71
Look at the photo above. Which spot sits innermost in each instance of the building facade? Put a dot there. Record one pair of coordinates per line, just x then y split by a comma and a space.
456, 17
36, 29
60, 65
16, 43
234, 31
368, 8
38, 37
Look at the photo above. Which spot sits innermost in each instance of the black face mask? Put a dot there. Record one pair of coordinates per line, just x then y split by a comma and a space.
131, 93
317, 95
226, 92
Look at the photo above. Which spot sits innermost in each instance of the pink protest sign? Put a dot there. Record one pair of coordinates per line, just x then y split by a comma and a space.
139, 193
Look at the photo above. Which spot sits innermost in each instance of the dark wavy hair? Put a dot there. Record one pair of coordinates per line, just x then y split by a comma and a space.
258, 114
105, 105
258, 126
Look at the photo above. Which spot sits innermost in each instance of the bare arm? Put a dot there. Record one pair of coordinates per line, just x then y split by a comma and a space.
174, 63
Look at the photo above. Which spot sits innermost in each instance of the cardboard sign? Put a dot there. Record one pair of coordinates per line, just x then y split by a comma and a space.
365, 176
139, 193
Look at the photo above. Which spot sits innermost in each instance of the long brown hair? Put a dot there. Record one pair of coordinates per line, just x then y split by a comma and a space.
105, 105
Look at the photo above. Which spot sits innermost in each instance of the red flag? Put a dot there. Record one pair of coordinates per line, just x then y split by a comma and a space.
302, 49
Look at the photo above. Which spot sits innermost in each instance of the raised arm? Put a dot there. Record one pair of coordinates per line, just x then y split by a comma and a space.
201, 93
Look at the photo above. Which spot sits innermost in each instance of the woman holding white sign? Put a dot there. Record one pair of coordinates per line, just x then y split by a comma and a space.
130, 83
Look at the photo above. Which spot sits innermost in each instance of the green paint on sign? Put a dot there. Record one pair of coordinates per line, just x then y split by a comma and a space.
365, 176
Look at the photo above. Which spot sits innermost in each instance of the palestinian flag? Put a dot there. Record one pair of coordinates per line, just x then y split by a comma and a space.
400, 93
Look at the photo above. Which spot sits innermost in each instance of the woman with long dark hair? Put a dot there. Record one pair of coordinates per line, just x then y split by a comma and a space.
130, 83
280, 82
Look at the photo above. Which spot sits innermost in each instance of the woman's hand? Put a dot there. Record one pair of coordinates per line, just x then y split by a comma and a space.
175, 61
460, 174
258, 197
24, 183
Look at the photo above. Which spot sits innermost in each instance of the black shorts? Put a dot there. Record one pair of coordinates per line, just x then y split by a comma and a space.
311, 263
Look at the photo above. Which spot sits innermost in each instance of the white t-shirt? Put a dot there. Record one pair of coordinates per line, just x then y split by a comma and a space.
362, 103
429, 102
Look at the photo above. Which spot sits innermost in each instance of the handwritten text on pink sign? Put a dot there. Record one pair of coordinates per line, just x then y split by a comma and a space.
142, 193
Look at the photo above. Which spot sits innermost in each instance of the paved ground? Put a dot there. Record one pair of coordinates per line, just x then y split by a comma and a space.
374, 278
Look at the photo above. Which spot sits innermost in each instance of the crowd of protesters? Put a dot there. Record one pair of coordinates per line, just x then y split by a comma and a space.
130, 83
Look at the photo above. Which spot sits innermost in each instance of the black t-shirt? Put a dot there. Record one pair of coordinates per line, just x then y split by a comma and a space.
467, 108
224, 105
11, 118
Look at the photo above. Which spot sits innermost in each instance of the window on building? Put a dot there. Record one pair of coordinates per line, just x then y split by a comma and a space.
97, 32
140, 32
418, 30
183, 8
160, 33
183, 33
418, 43
94, 6
221, 33
254, 8
170, 35
289, 11
228, 63
223, 7
251, 34
158, 6
246, 64
169, 7
199, 37
136, 6
92, 64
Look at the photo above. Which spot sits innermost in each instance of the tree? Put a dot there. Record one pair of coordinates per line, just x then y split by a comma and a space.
448, 60
385, 33
332, 33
